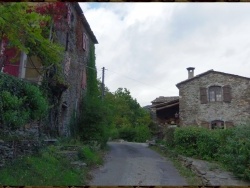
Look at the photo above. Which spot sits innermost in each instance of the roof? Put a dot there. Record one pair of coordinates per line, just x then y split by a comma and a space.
208, 72
162, 99
85, 23
165, 105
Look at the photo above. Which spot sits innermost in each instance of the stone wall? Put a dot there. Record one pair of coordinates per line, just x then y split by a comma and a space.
74, 65
17, 143
192, 112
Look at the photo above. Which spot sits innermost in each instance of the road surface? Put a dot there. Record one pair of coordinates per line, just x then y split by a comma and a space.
135, 164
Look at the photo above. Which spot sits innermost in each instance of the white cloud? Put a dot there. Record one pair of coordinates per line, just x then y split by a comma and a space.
154, 43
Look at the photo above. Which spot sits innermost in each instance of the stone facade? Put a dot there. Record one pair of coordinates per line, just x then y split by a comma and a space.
77, 39
194, 111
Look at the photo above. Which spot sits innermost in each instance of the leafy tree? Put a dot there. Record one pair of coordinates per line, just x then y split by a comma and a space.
23, 28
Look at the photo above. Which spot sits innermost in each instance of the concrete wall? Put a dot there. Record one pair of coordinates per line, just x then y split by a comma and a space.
192, 112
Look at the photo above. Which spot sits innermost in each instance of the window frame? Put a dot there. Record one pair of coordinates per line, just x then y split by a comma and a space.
216, 126
217, 91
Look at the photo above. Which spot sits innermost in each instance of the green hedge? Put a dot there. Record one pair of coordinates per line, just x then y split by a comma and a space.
231, 146
20, 102
235, 153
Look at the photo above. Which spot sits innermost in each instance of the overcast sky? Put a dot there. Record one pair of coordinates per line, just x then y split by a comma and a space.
146, 47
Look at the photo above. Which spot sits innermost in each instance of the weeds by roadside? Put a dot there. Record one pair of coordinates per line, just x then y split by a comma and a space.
49, 167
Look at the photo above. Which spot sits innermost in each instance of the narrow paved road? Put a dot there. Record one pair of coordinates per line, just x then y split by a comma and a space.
135, 164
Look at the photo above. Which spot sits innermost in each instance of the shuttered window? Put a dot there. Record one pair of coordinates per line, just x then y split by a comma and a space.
67, 42
215, 93
84, 41
229, 124
203, 95
217, 124
227, 93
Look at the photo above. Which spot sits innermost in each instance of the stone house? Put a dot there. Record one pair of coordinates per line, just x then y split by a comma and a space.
214, 99
75, 34
164, 110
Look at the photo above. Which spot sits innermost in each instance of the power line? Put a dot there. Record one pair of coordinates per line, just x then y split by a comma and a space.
135, 80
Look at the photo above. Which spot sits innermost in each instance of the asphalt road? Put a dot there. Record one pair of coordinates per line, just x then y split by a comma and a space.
135, 164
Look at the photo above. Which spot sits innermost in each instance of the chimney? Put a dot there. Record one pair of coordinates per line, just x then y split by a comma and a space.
190, 72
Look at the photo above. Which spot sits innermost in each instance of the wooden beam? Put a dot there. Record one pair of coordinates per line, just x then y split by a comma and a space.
168, 106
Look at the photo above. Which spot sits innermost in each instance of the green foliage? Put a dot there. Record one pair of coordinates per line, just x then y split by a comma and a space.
92, 125
235, 154
231, 146
186, 140
30, 37
169, 136
20, 102
197, 141
93, 122
88, 155
46, 168
142, 133
128, 118
139, 133
127, 133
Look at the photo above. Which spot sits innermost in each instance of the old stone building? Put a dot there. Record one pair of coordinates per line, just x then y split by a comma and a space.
77, 40
214, 99
164, 110
71, 29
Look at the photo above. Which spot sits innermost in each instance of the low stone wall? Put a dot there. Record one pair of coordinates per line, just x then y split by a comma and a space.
17, 143
10, 150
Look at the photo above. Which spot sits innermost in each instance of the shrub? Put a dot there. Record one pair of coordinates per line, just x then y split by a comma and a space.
236, 152
197, 141
169, 136
208, 143
86, 154
20, 102
127, 133
185, 140
142, 133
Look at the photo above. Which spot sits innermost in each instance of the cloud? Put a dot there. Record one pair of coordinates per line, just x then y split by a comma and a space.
147, 47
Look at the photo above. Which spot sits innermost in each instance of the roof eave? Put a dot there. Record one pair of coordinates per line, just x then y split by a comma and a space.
85, 23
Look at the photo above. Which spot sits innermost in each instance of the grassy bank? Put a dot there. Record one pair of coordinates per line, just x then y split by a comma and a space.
49, 167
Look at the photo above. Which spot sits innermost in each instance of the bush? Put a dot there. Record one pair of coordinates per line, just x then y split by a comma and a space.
92, 125
208, 143
185, 140
86, 154
169, 136
235, 154
142, 133
127, 133
196, 141
20, 102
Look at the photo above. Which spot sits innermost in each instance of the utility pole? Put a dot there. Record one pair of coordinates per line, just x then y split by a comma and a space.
103, 71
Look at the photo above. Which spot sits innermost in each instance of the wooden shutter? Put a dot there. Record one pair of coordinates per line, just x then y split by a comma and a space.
227, 93
67, 42
84, 38
205, 124
229, 124
203, 95
69, 16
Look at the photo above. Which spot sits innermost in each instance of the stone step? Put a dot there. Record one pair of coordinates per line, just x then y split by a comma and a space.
70, 155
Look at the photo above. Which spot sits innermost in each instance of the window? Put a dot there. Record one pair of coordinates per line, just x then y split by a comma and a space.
217, 124
67, 42
84, 41
215, 93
